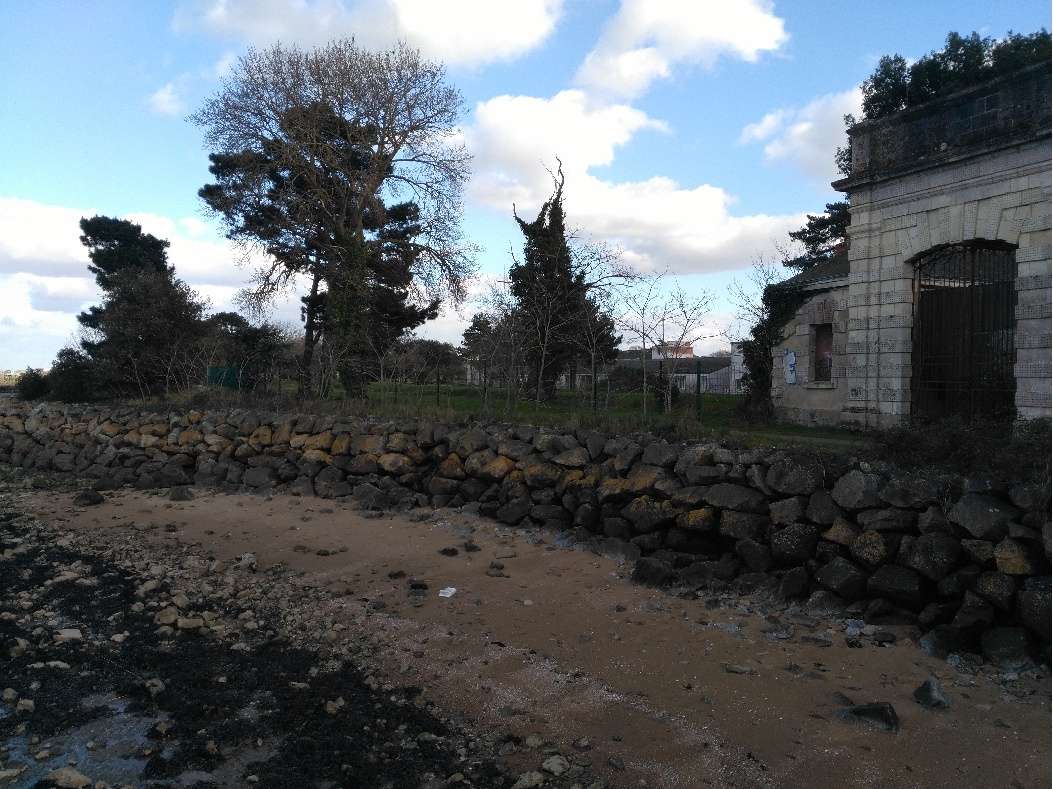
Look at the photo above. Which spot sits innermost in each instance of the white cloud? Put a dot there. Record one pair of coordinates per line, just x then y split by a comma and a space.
45, 280
466, 32
167, 101
658, 222
806, 137
646, 38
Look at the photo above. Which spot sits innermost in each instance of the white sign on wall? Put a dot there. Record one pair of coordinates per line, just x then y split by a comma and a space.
789, 366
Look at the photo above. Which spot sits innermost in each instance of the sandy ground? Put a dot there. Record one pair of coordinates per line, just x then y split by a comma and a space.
560, 644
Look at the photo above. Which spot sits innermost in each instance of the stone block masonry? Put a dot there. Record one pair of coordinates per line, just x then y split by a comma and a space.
956, 557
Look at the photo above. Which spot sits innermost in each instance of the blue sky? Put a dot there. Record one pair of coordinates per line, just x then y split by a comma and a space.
695, 133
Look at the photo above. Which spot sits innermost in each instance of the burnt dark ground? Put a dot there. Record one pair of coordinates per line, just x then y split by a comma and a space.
223, 716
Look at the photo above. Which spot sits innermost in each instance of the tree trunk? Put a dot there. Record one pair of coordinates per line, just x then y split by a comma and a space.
305, 386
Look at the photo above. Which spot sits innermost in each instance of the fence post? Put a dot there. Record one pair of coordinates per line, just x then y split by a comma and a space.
698, 388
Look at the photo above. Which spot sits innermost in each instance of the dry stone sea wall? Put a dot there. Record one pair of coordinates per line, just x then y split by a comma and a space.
967, 561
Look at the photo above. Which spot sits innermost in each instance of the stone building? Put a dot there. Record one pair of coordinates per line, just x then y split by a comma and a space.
944, 305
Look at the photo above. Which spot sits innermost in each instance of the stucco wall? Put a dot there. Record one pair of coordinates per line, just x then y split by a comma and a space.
807, 401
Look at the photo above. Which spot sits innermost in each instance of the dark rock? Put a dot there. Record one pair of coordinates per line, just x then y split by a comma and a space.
742, 525
843, 578
87, 498
728, 496
690, 497
933, 520
659, 453
1016, 557
822, 508
704, 475
796, 475
887, 520
648, 543
370, 497
617, 527
841, 532
755, 556
688, 540
259, 477
985, 517
898, 584
647, 514
881, 715
787, 511
793, 583
857, 491
935, 614
1006, 647
652, 572
910, 491
870, 548
883, 612
974, 614
514, 511
997, 589
572, 458
550, 514
958, 583
930, 694
978, 552
1033, 610
794, 544
944, 640
934, 555
702, 519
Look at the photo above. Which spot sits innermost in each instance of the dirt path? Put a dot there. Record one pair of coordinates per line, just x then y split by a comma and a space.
640, 687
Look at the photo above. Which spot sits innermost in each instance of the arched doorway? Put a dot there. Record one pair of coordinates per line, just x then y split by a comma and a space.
962, 342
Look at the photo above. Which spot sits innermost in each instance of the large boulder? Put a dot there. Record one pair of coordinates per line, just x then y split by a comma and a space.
577, 457
997, 588
901, 585
934, 555
728, 496
660, 453
652, 572
514, 510
796, 475
843, 578
857, 491
647, 514
1006, 647
754, 555
1016, 557
259, 477
1033, 609
985, 517
822, 508
703, 519
742, 525
787, 511
395, 463
470, 441
912, 491
794, 544
871, 548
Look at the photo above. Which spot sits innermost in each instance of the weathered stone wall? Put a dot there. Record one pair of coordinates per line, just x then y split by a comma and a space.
807, 401
966, 560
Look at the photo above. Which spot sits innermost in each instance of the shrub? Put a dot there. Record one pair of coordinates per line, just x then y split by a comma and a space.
72, 378
1007, 452
31, 384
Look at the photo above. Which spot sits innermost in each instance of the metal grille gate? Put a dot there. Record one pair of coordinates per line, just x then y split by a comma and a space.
962, 344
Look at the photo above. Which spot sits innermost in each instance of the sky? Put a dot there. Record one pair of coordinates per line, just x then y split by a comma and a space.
694, 134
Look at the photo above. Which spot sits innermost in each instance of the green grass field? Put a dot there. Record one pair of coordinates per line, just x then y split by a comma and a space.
617, 413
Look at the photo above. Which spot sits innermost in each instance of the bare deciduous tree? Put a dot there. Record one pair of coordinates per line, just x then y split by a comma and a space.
309, 147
